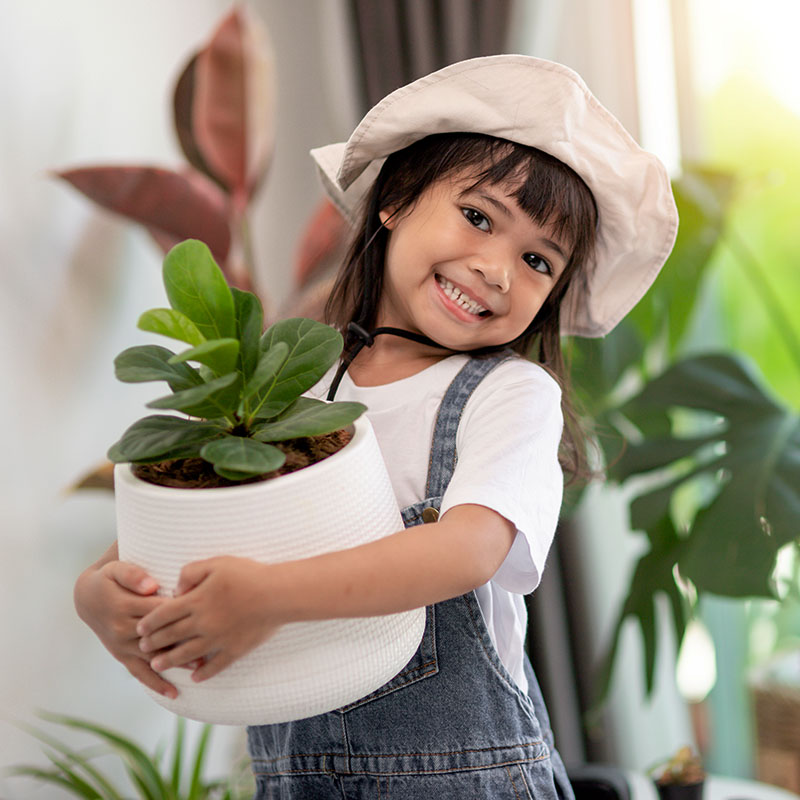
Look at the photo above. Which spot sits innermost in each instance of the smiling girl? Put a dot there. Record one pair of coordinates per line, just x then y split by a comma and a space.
497, 205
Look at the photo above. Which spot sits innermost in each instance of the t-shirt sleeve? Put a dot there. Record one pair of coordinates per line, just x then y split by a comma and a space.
507, 445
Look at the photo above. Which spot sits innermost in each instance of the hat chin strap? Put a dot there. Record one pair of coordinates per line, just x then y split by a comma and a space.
365, 338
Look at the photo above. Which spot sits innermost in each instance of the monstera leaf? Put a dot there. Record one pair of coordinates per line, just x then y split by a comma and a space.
743, 460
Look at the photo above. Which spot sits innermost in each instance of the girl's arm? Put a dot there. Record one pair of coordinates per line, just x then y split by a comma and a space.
227, 606
111, 597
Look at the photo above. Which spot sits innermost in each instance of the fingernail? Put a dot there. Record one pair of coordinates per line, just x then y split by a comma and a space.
147, 585
170, 693
140, 629
157, 665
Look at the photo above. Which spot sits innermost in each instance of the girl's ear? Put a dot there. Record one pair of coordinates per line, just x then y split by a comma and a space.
387, 217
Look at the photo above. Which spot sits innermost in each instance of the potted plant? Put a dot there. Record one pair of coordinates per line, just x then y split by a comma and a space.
681, 777
196, 486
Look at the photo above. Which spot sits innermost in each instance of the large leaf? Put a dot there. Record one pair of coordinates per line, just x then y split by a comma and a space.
160, 436
215, 398
266, 372
172, 323
150, 362
242, 457
313, 349
220, 355
233, 102
249, 327
752, 455
172, 206
309, 417
196, 286
653, 576
182, 107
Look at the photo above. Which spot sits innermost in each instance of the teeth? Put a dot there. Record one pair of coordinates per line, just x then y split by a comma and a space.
457, 296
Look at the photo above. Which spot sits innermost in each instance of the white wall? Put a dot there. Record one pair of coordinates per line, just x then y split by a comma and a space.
85, 82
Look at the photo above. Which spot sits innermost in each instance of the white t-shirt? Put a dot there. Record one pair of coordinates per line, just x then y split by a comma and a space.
507, 447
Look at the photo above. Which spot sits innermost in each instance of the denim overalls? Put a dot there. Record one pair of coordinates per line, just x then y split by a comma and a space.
452, 724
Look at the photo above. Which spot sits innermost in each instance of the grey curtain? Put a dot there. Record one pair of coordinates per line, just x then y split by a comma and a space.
400, 40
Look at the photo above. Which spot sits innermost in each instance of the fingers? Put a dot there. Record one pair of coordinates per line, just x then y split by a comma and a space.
163, 614
169, 635
142, 672
192, 575
131, 577
183, 653
212, 666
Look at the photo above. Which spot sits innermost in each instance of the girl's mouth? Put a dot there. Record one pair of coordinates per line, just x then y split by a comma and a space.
462, 300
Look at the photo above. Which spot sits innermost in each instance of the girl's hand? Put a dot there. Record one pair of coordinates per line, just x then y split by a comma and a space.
111, 597
220, 613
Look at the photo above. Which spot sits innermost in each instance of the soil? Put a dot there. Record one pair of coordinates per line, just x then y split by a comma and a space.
194, 473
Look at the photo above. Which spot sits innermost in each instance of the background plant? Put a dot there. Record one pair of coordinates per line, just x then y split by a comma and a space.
711, 456
246, 390
223, 112
151, 777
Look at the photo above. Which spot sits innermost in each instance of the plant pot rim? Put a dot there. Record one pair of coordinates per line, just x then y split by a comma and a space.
124, 471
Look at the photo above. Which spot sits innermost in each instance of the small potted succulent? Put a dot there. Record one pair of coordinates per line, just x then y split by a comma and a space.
253, 468
681, 777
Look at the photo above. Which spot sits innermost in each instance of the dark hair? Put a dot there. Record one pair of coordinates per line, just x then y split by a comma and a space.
546, 189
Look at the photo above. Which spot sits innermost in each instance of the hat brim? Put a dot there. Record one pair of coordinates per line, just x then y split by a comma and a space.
545, 105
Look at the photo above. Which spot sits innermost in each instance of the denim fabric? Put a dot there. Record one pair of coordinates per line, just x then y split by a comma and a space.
451, 724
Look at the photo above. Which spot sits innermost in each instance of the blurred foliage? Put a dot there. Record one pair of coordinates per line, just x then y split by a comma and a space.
150, 777
710, 453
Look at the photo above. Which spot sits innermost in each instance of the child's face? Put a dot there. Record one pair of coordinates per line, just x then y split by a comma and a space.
467, 267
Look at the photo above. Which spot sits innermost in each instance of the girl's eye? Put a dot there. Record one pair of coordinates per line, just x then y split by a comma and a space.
476, 219
537, 263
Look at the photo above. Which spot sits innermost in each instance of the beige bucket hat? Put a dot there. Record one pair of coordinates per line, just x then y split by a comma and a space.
548, 106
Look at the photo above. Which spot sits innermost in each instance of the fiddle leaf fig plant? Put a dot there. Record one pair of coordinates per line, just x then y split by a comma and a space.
241, 390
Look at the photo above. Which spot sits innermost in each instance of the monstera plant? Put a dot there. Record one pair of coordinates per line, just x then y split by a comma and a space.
712, 459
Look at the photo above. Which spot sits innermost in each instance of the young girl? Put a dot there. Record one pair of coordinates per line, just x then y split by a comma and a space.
498, 205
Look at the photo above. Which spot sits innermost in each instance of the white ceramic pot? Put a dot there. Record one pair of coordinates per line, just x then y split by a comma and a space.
306, 668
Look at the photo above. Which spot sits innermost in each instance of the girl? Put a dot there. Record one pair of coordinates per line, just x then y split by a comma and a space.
498, 205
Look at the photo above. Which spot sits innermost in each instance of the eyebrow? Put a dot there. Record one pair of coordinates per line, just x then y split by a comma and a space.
506, 211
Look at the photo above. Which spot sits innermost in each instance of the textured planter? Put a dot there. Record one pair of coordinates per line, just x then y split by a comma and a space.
307, 668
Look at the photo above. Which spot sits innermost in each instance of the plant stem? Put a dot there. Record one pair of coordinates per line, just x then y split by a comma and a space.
757, 275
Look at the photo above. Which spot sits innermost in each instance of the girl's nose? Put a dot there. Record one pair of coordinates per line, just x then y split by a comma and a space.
495, 272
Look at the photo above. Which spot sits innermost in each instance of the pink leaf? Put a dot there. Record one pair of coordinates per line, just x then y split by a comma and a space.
176, 206
234, 98
182, 104
323, 237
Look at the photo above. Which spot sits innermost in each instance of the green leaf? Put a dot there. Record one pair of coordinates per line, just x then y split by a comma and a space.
152, 363
210, 399
159, 437
309, 417
755, 508
48, 776
172, 323
653, 575
139, 765
177, 756
703, 198
80, 786
196, 286
242, 456
195, 787
249, 326
313, 349
268, 365
219, 355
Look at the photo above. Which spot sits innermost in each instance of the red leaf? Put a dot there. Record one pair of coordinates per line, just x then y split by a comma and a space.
176, 206
233, 107
323, 237
182, 104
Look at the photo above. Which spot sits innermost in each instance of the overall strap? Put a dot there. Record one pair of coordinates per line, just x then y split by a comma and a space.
443, 457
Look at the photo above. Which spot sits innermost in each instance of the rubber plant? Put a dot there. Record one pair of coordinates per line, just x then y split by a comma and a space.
223, 110
711, 458
246, 392
155, 777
